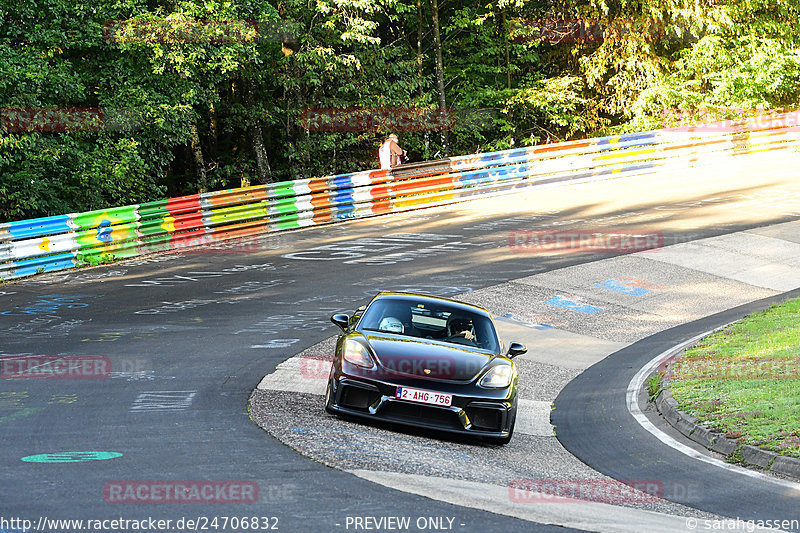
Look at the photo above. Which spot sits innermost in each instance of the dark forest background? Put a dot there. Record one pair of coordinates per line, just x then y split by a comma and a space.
216, 110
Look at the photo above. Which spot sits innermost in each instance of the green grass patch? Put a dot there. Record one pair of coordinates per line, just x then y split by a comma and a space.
745, 380
654, 385
94, 260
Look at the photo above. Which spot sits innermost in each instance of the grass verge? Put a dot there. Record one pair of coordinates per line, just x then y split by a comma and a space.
745, 380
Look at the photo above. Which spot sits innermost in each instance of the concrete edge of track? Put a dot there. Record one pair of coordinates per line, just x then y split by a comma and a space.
687, 425
624, 427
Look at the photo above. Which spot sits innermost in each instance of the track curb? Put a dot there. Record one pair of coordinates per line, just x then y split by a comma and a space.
714, 440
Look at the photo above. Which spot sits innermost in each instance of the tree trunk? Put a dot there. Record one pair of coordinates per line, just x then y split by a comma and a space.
437, 44
212, 129
420, 30
197, 153
256, 135
504, 36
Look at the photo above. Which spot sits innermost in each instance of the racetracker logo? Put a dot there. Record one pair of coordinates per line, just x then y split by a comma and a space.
164, 31
730, 368
65, 119
588, 490
228, 492
395, 119
317, 367
443, 367
210, 245
602, 241
55, 367
728, 120
565, 30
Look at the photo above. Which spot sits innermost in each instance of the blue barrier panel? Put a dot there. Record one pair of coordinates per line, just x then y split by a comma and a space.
37, 227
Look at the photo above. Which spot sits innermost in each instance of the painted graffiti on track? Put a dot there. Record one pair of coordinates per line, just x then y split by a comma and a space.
533, 320
49, 305
16, 405
513, 222
115, 335
276, 343
168, 400
316, 320
574, 303
390, 284
67, 279
629, 285
71, 457
174, 307
45, 326
254, 286
374, 250
194, 276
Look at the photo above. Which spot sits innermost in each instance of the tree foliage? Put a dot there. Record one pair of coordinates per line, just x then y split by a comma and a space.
198, 95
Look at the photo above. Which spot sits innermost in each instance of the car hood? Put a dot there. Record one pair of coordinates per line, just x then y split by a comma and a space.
422, 358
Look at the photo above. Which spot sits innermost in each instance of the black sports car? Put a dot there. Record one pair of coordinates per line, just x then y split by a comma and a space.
426, 362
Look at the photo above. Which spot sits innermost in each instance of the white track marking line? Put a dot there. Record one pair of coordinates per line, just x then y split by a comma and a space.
579, 514
632, 395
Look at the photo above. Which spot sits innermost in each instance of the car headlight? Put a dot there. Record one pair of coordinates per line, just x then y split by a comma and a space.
357, 354
499, 376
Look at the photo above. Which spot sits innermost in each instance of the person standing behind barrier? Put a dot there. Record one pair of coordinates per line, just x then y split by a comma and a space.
390, 152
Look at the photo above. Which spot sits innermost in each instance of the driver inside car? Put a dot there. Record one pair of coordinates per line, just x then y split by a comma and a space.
458, 325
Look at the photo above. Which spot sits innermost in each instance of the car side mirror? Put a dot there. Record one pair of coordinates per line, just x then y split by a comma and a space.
341, 320
515, 349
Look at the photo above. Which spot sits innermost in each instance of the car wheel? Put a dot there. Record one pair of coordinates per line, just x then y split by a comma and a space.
329, 399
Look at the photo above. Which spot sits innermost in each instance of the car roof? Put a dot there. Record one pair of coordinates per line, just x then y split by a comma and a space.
396, 295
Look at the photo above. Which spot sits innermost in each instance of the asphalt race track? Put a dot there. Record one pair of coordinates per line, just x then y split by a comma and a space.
590, 422
180, 341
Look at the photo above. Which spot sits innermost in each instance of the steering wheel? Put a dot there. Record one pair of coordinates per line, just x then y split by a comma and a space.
459, 338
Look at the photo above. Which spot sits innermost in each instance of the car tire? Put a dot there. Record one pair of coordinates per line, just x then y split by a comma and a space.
329, 400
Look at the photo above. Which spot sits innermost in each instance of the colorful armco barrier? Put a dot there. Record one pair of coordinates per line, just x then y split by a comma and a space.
66, 241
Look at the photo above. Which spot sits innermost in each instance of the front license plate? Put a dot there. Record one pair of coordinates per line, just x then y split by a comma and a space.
424, 396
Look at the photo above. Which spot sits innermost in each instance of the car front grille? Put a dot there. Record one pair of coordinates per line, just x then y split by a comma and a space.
409, 412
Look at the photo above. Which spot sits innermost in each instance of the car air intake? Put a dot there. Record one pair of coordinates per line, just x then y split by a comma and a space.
420, 413
357, 398
487, 419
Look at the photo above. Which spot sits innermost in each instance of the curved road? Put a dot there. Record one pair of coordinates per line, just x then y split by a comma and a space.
188, 336
594, 424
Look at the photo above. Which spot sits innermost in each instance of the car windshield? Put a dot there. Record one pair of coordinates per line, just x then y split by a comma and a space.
435, 321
